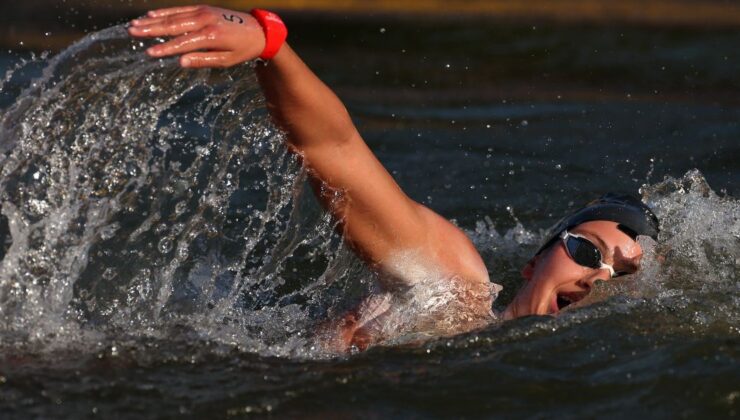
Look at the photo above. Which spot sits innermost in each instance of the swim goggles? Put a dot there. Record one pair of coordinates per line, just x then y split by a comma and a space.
584, 252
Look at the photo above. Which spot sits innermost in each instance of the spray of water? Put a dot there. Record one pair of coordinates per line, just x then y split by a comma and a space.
139, 197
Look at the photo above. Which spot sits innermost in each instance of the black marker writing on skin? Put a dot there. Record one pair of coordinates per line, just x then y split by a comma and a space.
231, 18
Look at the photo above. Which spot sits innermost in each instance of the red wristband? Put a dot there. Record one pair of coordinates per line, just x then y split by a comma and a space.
275, 32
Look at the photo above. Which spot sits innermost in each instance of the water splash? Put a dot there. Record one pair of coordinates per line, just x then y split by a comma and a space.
695, 265
140, 197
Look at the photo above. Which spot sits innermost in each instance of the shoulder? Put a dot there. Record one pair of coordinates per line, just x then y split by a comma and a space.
452, 249
444, 257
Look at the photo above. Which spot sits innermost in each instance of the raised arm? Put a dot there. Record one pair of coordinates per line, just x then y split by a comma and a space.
376, 216
377, 219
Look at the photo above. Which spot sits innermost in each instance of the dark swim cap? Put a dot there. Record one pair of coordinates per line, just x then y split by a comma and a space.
632, 215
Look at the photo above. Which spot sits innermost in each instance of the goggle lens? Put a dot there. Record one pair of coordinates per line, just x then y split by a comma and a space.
583, 252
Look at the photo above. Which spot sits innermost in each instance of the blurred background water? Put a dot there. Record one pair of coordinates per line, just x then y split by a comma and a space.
161, 255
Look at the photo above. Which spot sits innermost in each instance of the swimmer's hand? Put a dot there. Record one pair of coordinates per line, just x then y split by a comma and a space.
204, 36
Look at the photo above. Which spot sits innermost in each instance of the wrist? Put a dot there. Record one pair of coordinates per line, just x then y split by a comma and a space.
274, 30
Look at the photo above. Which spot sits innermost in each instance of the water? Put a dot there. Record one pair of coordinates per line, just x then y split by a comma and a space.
162, 254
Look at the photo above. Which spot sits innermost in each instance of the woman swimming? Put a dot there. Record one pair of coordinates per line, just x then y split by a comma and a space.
434, 281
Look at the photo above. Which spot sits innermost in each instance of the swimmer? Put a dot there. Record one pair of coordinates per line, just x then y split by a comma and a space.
433, 280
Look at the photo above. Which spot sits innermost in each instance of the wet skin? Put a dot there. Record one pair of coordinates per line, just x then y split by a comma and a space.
553, 279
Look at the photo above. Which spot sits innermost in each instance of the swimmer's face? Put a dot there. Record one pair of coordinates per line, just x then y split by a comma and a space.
553, 280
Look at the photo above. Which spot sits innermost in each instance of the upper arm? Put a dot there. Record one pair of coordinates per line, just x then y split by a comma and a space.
379, 220
375, 215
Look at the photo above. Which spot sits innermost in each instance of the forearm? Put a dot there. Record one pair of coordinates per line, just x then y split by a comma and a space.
302, 105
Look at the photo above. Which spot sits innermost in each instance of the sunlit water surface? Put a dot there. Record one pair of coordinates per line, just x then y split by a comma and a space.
163, 255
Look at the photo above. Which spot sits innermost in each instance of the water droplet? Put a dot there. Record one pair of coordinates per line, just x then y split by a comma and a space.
181, 207
165, 245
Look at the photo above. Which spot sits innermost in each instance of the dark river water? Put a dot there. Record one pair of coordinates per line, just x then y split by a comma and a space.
162, 255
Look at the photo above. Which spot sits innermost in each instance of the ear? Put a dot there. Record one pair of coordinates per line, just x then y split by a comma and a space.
528, 269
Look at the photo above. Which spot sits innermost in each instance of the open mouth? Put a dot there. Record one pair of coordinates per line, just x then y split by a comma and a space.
565, 299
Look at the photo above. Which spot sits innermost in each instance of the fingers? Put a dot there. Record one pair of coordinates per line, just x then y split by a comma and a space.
147, 21
171, 25
194, 26
208, 59
183, 44
172, 11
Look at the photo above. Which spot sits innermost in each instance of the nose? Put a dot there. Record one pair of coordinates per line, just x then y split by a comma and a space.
587, 283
